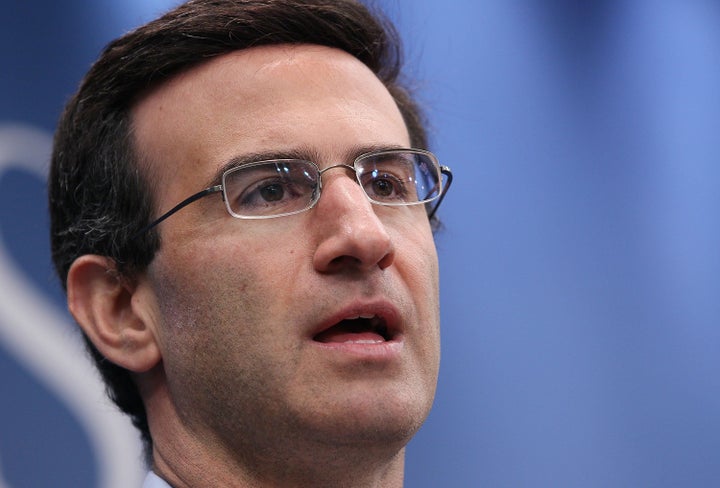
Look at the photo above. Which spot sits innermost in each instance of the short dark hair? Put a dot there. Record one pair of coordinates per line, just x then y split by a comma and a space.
100, 195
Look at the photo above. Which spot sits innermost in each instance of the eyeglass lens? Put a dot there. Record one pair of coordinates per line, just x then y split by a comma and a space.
283, 187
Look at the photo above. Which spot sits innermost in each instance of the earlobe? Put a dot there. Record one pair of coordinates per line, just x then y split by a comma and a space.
103, 305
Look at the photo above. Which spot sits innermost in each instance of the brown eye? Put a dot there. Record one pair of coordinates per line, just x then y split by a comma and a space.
270, 188
383, 188
272, 193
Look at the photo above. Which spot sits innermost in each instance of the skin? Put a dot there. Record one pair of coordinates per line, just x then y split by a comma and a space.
221, 329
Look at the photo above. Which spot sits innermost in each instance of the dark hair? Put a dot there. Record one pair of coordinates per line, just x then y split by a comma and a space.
99, 194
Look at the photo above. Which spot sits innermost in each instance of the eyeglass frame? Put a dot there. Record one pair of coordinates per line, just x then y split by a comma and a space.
444, 171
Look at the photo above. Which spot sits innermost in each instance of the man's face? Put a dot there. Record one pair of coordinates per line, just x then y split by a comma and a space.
273, 329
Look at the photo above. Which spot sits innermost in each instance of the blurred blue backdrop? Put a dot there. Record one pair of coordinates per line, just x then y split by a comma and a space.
580, 256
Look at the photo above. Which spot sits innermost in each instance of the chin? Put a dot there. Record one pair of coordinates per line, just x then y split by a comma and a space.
386, 418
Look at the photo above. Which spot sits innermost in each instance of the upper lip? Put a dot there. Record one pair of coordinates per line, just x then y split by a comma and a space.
384, 318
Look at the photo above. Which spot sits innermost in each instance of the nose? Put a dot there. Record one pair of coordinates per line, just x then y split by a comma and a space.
350, 234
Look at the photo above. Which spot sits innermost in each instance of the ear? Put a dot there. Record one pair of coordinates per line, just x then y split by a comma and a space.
107, 308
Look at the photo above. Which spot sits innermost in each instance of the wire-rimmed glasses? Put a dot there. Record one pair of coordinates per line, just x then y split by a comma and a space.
282, 187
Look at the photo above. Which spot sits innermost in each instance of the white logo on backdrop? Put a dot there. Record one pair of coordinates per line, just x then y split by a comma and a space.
34, 332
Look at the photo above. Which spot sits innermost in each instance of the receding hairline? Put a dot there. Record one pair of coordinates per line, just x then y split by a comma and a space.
291, 51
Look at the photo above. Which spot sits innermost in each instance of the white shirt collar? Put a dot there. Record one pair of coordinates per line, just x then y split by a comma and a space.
154, 481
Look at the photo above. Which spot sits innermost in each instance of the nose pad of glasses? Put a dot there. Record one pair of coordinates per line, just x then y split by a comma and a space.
346, 166
321, 172
353, 176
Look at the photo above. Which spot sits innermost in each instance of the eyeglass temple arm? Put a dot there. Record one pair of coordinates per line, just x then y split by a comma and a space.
178, 207
448, 174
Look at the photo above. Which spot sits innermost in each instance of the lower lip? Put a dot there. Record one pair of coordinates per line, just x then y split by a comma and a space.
365, 349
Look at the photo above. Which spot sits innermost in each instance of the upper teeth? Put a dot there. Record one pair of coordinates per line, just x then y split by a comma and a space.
362, 316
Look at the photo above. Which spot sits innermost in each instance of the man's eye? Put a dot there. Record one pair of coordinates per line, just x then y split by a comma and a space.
383, 188
386, 187
272, 193
267, 193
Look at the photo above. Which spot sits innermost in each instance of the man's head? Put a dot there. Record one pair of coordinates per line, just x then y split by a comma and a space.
315, 329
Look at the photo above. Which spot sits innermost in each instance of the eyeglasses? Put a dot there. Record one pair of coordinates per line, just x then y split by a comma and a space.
282, 187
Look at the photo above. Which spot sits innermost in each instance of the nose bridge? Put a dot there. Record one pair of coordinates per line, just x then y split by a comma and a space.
348, 168
350, 233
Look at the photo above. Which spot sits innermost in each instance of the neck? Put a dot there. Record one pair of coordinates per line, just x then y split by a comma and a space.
185, 465
187, 457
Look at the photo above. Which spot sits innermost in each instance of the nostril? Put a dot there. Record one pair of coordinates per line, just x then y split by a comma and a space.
387, 259
345, 261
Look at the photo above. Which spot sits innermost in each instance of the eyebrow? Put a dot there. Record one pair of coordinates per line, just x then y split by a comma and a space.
303, 153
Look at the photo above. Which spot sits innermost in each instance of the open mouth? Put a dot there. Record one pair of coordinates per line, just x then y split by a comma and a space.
371, 329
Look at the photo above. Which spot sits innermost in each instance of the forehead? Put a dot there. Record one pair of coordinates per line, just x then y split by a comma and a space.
264, 99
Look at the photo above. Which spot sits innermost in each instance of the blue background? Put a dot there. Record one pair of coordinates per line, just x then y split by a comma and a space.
580, 256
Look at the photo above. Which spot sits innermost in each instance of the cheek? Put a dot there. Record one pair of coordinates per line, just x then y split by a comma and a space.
224, 282
417, 258
217, 322
417, 263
